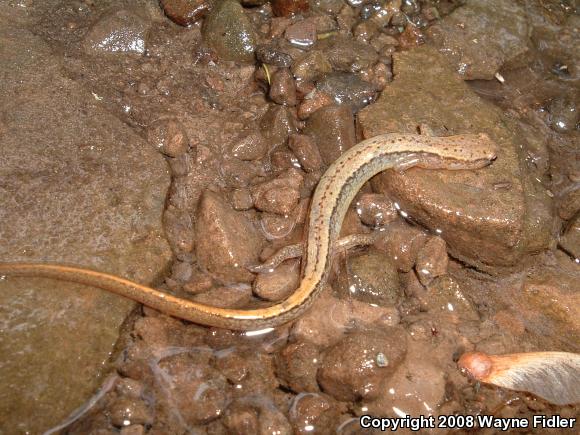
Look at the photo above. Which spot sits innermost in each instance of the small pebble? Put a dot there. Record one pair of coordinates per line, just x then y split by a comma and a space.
302, 33
241, 419
271, 55
563, 115
332, 128
278, 284
297, 365
285, 8
306, 151
401, 242
250, 146
313, 413
375, 209
282, 88
432, 260
312, 102
185, 12
125, 411
311, 65
349, 369
168, 136
242, 199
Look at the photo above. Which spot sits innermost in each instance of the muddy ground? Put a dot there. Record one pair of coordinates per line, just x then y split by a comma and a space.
178, 142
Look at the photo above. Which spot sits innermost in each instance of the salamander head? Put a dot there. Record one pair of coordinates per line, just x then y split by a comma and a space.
469, 151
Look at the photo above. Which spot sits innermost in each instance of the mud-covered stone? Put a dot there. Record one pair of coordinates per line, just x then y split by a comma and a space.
185, 12
296, 366
282, 88
376, 210
229, 32
123, 31
356, 366
280, 283
284, 8
432, 260
78, 187
479, 38
416, 388
347, 88
305, 149
370, 277
313, 410
332, 128
226, 240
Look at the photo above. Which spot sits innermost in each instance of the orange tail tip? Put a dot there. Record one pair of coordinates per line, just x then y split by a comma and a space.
553, 376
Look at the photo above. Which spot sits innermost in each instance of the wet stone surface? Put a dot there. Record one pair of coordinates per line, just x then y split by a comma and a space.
76, 193
483, 225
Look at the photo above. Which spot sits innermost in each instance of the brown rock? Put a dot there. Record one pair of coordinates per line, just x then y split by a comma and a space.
305, 149
310, 66
280, 200
312, 102
302, 33
432, 260
179, 229
168, 136
480, 45
296, 366
120, 32
401, 242
185, 12
445, 295
279, 195
125, 411
332, 127
239, 173
370, 277
241, 419
229, 32
277, 124
196, 391
313, 410
280, 283
569, 204
283, 159
242, 199
226, 240
282, 88
250, 146
347, 54
348, 89
375, 209
416, 388
284, 8
79, 186
341, 314
233, 296
356, 366
483, 226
